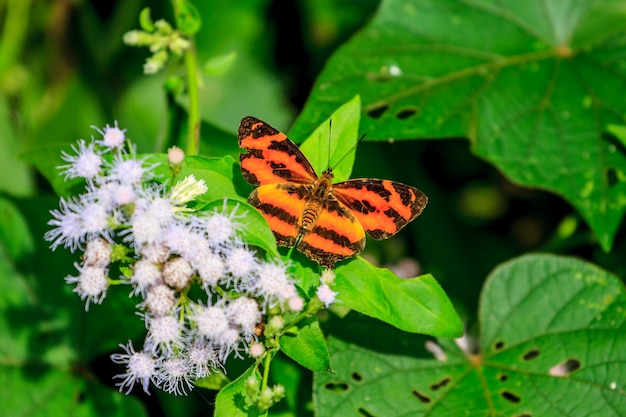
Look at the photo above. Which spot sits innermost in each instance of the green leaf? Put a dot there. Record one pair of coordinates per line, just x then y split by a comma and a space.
219, 64
415, 305
215, 381
307, 346
255, 230
188, 19
231, 401
553, 331
533, 100
145, 20
15, 237
341, 137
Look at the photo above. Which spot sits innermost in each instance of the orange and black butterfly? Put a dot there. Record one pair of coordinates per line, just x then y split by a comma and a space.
325, 221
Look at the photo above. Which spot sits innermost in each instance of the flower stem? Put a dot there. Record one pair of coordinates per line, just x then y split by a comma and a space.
193, 121
266, 370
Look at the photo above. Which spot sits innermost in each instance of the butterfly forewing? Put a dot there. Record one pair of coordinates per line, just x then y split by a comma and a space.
383, 207
272, 158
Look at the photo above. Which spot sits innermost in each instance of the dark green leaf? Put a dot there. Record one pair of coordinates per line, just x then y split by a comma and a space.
215, 381
416, 305
231, 401
532, 84
552, 344
307, 346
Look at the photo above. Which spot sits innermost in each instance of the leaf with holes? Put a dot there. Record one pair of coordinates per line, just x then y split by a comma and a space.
531, 83
552, 343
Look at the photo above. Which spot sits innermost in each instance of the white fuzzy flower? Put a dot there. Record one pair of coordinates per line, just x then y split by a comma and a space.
141, 367
145, 230
182, 240
95, 218
68, 222
92, 284
202, 358
164, 334
154, 252
240, 262
210, 269
211, 321
146, 274
160, 300
228, 342
177, 273
127, 171
98, 253
244, 312
85, 163
256, 350
296, 303
326, 295
112, 137
174, 376
273, 283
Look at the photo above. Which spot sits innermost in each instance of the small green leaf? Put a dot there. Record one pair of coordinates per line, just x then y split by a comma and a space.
553, 332
415, 305
231, 401
255, 230
188, 19
340, 132
220, 64
145, 20
215, 381
307, 346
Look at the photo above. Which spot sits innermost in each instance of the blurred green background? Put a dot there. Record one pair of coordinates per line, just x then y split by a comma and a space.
64, 68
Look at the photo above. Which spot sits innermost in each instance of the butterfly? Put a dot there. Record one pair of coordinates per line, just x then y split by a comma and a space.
325, 221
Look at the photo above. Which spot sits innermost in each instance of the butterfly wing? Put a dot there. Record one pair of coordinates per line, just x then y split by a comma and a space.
282, 206
337, 235
383, 207
271, 158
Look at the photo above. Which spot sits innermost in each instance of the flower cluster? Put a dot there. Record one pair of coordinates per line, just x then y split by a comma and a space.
167, 250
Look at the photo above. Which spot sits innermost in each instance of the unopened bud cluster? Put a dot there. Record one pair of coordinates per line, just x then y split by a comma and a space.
165, 251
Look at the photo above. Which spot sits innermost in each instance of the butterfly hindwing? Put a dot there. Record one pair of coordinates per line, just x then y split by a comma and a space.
337, 235
382, 207
281, 205
271, 158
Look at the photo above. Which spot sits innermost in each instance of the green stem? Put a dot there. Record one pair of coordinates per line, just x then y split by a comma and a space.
193, 121
14, 31
266, 370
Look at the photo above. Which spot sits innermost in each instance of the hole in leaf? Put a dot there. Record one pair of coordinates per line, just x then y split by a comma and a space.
420, 396
531, 354
81, 397
337, 387
524, 415
357, 376
379, 78
503, 377
611, 177
509, 396
440, 384
406, 113
377, 111
498, 345
365, 413
565, 368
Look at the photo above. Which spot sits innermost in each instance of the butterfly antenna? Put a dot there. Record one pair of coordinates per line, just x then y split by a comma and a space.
349, 151
330, 129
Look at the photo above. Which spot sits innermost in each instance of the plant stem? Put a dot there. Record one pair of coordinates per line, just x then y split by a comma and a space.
266, 370
193, 121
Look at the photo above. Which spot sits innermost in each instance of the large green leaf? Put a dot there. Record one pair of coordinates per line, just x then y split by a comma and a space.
553, 343
532, 84
306, 345
231, 401
416, 305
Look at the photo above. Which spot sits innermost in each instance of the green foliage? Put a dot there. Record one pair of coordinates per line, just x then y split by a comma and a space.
563, 359
531, 85
535, 86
